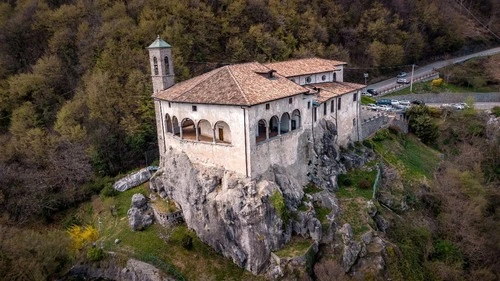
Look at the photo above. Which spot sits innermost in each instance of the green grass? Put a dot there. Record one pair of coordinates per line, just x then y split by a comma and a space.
355, 214
425, 87
405, 153
367, 100
355, 189
297, 247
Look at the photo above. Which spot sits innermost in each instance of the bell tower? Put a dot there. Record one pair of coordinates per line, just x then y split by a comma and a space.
162, 67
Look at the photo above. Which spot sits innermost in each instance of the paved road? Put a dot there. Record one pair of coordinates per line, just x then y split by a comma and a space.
477, 105
422, 70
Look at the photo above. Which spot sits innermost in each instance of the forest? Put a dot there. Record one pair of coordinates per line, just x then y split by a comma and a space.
75, 88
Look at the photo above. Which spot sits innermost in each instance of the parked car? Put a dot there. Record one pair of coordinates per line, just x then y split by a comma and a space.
402, 81
404, 102
372, 91
384, 102
372, 106
401, 74
458, 106
417, 102
395, 103
385, 107
366, 94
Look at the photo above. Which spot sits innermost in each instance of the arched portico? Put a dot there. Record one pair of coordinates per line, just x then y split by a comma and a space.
175, 127
205, 131
168, 123
274, 126
295, 124
188, 129
261, 133
222, 132
285, 123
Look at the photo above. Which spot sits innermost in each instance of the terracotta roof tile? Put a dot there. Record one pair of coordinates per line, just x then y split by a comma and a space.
304, 66
333, 89
240, 84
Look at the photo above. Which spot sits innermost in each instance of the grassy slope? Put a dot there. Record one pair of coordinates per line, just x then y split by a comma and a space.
157, 245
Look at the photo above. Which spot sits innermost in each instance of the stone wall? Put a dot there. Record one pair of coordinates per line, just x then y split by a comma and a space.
371, 125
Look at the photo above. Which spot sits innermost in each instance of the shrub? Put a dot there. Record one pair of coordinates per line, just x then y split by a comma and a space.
187, 242
95, 254
81, 236
364, 184
109, 191
344, 180
437, 82
279, 205
496, 111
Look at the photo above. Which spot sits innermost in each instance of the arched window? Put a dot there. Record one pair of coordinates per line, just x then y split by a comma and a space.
188, 129
295, 119
175, 126
205, 132
167, 66
155, 66
273, 126
222, 132
261, 134
334, 76
168, 123
285, 123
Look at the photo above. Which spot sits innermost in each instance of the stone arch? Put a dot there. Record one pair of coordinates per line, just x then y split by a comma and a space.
285, 123
168, 123
274, 125
188, 129
222, 132
261, 133
205, 131
175, 126
295, 119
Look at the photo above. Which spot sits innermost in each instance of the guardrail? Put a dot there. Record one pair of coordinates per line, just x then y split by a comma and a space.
425, 77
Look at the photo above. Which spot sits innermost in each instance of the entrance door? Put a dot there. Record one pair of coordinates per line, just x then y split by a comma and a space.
221, 134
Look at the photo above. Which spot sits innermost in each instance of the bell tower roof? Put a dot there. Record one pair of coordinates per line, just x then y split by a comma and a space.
159, 43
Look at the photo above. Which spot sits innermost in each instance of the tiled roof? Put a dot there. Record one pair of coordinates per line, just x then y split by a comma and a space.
304, 66
240, 84
333, 89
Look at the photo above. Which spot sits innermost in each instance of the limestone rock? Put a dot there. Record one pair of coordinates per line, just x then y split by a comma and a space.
351, 248
132, 180
231, 213
140, 214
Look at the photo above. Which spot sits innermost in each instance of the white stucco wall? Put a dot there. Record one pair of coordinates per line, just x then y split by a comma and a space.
281, 149
231, 156
349, 110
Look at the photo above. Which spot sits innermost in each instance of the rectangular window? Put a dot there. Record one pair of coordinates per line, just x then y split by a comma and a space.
308, 105
290, 100
332, 106
355, 97
314, 114
324, 108
169, 104
339, 100
354, 122
267, 106
194, 107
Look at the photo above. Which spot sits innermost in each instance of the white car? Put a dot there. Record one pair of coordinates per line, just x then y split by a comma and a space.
401, 74
402, 81
404, 102
372, 106
385, 107
395, 103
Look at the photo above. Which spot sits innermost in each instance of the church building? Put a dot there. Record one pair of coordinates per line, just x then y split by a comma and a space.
247, 117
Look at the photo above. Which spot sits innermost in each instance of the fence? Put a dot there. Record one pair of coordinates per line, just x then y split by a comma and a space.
377, 178
371, 125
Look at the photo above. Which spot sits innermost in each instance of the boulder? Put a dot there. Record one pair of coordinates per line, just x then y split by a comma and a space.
140, 215
352, 248
133, 180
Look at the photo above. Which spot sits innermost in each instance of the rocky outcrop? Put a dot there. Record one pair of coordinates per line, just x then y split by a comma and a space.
109, 270
236, 216
133, 180
140, 215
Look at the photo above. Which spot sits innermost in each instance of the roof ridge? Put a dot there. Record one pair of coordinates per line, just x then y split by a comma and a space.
243, 93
